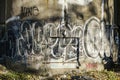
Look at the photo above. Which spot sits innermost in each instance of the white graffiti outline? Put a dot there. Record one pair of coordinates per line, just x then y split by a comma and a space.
84, 35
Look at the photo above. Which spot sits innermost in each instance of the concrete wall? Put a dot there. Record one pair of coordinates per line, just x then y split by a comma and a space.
78, 10
61, 34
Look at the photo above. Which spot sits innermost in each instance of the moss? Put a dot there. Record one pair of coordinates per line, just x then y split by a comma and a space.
96, 75
11, 75
104, 75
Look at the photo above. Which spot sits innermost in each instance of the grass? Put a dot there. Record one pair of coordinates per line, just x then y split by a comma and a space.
104, 75
95, 75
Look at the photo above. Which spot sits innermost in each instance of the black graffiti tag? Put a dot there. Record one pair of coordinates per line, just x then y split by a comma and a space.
29, 11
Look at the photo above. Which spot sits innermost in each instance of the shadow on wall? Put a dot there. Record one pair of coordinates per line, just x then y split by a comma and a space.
83, 12
2, 43
107, 11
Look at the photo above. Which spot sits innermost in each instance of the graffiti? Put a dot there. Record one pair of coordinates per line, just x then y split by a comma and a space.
56, 42
91, 66
78, 2
92, 37
62, 41
59, 44
29, 11
33, 37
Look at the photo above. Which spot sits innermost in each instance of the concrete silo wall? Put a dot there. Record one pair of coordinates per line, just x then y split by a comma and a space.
60, 34
78, 10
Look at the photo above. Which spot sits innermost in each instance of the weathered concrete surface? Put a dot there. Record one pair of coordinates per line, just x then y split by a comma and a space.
52, 35
77, 10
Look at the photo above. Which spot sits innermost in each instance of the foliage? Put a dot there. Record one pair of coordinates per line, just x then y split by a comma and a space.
93, 75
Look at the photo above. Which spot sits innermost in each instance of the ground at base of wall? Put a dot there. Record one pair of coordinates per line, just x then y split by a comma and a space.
68, 75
